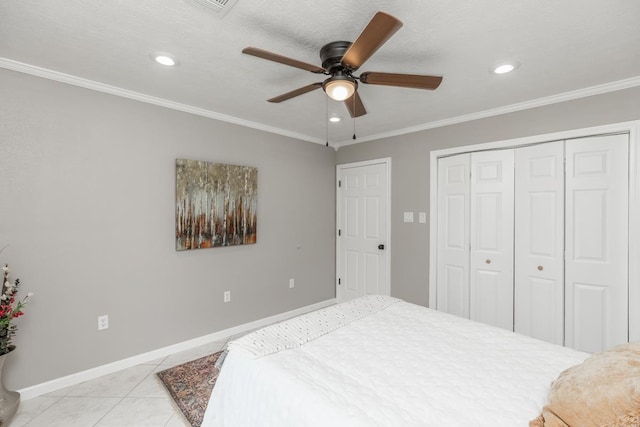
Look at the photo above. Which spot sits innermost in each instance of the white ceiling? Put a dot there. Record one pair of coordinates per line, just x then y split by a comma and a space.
566, 49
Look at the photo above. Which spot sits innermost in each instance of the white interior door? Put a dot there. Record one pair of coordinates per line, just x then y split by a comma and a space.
363, 247
539, 242
596, 278
453, 235
491, 259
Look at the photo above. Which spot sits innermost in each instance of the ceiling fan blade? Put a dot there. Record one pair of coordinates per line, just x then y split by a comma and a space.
355, 106
282, 59
381, 27
294, 93
401, 80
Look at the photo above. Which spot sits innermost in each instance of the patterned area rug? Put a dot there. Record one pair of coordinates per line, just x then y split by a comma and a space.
190, 386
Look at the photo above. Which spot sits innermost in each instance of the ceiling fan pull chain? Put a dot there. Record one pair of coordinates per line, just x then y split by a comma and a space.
326, 121
354, 118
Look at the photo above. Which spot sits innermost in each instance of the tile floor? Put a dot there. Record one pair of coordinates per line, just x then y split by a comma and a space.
133, 397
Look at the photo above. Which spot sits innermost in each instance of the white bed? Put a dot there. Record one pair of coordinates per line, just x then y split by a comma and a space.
387, 363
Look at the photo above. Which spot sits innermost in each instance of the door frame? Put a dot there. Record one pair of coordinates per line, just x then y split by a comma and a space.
631, 127
386, 161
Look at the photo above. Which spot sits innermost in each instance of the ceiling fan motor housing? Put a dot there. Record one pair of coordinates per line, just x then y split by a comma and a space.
331, 55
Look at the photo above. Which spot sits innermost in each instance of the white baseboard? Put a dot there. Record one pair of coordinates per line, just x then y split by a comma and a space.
89, 374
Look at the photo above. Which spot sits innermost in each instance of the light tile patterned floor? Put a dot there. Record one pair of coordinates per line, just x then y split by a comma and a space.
133, 397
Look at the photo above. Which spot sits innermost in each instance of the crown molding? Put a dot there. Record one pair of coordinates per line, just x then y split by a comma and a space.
113, 90
554, 99
137, 96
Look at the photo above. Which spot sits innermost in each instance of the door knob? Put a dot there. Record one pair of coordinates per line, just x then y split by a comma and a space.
488, 261
540, 268
381, 246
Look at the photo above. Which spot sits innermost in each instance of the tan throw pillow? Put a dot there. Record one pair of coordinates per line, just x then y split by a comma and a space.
603, 391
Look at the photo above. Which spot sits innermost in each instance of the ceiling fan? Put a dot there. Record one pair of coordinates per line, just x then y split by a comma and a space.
340, 59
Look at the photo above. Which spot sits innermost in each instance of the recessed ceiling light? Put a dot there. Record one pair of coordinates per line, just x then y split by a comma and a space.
334, 119
505, 68
165, 59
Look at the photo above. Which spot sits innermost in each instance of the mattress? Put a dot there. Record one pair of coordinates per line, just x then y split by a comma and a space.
397, 365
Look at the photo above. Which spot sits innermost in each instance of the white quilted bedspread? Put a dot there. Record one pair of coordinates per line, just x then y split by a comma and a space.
402, 366
308, 327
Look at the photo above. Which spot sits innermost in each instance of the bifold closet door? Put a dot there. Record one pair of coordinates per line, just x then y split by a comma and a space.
597, 250
539, 242
491, 238
452, 292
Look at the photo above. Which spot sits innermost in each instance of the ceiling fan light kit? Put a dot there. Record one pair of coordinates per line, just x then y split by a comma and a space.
340, 59
339, 88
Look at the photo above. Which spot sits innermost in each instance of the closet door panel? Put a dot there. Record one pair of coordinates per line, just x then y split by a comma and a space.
490, 302
491, 259
452, 291
597, 242
539, 242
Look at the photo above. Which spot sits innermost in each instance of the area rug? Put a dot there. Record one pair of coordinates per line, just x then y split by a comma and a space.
190, 386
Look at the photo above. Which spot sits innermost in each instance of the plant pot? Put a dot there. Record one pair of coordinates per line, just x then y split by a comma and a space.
9, 400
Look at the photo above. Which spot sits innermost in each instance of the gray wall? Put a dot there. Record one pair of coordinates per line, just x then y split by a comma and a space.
410, 169
87, 188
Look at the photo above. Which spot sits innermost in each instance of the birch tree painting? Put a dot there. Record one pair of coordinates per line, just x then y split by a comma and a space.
215, 204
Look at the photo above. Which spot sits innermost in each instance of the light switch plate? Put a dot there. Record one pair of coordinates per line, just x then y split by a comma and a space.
408, 217
422, 217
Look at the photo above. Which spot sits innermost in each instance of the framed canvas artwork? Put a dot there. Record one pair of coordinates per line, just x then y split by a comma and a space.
216, 204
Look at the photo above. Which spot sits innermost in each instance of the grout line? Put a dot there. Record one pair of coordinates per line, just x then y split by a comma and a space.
108, 412
57, 399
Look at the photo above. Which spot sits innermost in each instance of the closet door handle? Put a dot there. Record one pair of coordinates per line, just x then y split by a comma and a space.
488, 261
540, 268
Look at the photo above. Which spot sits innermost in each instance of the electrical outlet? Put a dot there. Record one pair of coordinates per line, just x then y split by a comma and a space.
292, 283
227, 296
103, 322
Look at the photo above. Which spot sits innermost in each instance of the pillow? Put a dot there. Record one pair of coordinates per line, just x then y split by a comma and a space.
603, 391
